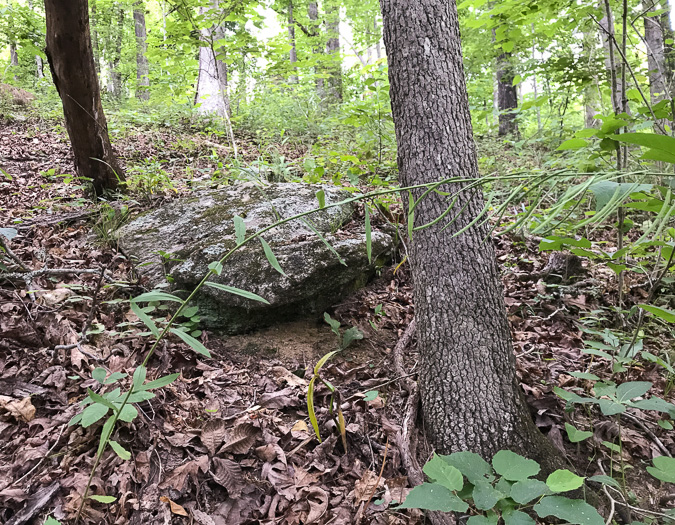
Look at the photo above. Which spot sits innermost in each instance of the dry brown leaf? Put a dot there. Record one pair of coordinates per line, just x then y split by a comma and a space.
175, 507
178, 477
202, 517
240, 439
281, 399
228, 474
300, 426
318, 504
213, 434
365, 486
20, 409
283, 375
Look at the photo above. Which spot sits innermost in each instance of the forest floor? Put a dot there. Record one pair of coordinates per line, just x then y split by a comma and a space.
229, 442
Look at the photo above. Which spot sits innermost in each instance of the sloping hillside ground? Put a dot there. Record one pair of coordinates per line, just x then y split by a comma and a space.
229, 442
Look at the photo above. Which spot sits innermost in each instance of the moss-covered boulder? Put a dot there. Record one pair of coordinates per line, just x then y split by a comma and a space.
176, 243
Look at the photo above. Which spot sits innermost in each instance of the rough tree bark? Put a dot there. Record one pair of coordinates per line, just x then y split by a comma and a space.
142, 69
612, 58
591, 91
94, 38
313, 14
115, 81
660, 76
470, 393
212, 79
72, 65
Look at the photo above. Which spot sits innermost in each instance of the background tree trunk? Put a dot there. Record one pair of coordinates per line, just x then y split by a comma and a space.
660, 74
142, 69
72, 65
612, 58
591, 93
212, 80
313, 14
470, 393
94, 38
333, 51
115, 81
507, 96
292, 54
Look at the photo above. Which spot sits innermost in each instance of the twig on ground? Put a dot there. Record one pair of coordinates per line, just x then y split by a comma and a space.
5, 245
651, 434
29, 276
63, 427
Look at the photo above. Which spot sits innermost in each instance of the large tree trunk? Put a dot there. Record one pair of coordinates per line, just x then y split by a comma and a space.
507, 96
471, 396
72, 65
142, 69
333, 51
292, 54
212, 80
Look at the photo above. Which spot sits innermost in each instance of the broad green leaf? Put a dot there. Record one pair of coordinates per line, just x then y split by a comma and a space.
485, 496
662, 313
99, 374
239, 229
103, 499
605, 480
128, 413
93, 413
369, 246
610, 408
527, 490
493, 519
351, 334
663, 469
139, 376
584, 375
191, 341
106, 431
51, 521
514, 467
432, 496
156, 296
271, 257
321, 197
575, 143
371, 395
190, 311
120, 450
96, 398
574, 511
655, 403
606, 191
334, 324
658, 155
140, 396
114, 377
147, 321
632, 389
563, 480
162, 381
471, 465
516, 517
323, 361
575, 435
217, 268
237, 291
649, 140
444, 474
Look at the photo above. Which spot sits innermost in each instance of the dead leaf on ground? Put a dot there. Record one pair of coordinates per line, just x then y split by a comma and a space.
20, 409
175, 507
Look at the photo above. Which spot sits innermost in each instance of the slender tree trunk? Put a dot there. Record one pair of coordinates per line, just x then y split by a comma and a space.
656, 58
292, 54
507, 96
612, 58
333, 51
115, 84
313, 14
212, 79
591, 103
534, 83
94, 38
142, 69
378, 46
39, 67
471, 396
72, 65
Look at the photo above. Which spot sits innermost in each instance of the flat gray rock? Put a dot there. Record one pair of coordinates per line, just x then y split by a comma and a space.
182, 238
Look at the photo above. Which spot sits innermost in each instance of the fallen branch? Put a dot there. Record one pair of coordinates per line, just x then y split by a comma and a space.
29, 276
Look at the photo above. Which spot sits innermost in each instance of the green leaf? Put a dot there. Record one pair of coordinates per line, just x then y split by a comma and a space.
96, 398
610, 408
527, 490
444, 474
140, 396
432, 496
576, 512
147, 321
99, 374
606, 191
371, 395
139, 377
663, 469
106, 431
156, 296
485, 496
103, 499
471, 465
321, 197
271, 257
514, 467
52, 521
190, 311
563, 480
237, 291
632, 389
217, 268
334, 324
649, 140
369, 245
191, 341
120, 450
655, 403
483, 520
9, 233
575, 435
239, 229
93, 413
662, 313
658, 155
128, 413
351, 334
584, 375
605, 480
516, 517
310, 408
575, 143
162, 381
